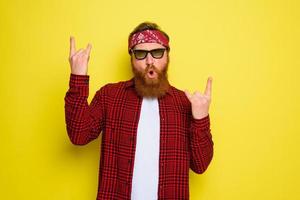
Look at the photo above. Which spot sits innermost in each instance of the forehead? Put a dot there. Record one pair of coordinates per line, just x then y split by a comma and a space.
148, 46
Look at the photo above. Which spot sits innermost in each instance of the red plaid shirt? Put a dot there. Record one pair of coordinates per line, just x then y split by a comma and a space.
185, 142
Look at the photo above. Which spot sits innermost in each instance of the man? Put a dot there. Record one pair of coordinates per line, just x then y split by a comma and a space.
152, 133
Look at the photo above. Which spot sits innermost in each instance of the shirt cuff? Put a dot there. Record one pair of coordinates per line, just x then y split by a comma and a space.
79, 80
203, 123
79, 84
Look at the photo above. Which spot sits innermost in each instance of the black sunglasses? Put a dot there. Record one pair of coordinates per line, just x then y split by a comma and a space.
141, 54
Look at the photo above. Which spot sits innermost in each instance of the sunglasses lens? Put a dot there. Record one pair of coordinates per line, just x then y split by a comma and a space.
140, 54
157, 53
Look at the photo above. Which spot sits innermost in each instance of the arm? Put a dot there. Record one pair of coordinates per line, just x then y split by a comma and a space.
201, 144
84, 122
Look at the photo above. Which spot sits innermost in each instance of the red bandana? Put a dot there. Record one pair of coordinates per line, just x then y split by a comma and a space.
148, 36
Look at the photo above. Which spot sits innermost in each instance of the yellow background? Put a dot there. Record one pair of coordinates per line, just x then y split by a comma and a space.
250, 48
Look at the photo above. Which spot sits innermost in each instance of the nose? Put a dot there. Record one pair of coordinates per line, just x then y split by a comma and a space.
149, 59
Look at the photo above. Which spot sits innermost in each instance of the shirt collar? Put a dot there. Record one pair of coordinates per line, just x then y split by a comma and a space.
130, 83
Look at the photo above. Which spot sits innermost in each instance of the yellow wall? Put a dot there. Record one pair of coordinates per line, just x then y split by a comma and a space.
249, 47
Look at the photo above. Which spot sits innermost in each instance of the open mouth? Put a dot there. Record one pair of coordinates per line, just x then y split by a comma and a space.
151, 73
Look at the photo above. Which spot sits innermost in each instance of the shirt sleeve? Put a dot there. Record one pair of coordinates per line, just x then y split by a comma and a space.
201, 144
84, 122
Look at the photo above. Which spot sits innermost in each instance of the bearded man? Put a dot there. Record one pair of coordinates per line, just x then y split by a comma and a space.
152, 132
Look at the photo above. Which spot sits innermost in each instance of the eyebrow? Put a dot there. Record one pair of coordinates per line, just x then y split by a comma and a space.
150, 49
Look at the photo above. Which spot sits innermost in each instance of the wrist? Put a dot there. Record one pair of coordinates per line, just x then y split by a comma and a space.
200, 115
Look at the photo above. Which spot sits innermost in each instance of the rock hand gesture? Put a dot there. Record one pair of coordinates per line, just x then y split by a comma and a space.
200, 102
79, 59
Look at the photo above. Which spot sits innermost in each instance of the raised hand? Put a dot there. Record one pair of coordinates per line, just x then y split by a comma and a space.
79, 59
200, 102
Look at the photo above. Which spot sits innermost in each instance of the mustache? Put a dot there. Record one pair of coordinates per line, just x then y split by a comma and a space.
153, 68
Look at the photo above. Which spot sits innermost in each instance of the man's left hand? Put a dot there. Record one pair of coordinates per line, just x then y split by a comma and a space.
200, 102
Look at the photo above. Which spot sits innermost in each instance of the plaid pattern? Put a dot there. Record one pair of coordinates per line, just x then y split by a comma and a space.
185, 143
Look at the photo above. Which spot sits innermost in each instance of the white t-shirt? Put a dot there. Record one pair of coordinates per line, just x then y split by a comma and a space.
146, 164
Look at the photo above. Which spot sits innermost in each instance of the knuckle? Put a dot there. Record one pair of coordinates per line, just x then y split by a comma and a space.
73, 58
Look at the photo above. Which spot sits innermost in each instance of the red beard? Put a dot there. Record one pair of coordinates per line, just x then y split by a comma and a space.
147, 87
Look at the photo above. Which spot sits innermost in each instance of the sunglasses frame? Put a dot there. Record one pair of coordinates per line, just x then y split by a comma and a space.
148, 51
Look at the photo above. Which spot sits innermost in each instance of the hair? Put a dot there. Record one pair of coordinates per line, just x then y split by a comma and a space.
148, 26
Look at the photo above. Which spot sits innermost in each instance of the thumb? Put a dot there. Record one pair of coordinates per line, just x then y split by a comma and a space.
188, 94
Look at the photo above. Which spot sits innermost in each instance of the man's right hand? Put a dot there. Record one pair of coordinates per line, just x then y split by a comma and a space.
79, 59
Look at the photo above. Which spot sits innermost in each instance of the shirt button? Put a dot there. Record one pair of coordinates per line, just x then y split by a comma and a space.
129, 160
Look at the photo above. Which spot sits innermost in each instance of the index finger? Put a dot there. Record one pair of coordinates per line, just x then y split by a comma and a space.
88, 49
72, 46
208, 86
